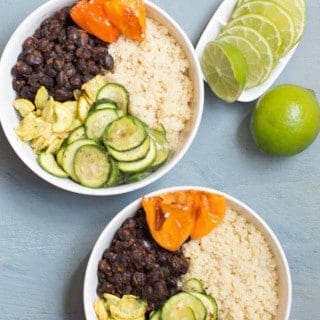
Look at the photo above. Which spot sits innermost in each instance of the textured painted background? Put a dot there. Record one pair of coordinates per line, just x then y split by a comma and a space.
46, 234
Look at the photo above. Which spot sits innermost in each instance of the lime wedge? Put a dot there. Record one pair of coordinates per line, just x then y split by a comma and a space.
252, 56
264, 26
225, 70
276, 14
258, 41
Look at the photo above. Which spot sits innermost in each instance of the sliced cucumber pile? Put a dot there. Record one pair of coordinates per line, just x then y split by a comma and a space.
192, 304
110, 147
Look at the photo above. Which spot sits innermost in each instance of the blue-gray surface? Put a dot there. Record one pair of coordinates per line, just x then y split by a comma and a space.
46, 234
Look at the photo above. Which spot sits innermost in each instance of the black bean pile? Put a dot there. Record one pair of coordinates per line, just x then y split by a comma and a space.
135, 264
59, 56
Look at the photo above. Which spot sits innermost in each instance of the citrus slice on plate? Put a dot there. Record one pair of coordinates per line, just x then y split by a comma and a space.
296, 10
259, 42
225, 69
276, 14
264, 26
256, 70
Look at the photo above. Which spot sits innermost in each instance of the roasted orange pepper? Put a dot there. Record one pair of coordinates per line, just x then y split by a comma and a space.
90, 16
129, 16
210, 212
174, 217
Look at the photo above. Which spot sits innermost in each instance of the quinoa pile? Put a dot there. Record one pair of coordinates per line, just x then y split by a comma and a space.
237, 268
155, 72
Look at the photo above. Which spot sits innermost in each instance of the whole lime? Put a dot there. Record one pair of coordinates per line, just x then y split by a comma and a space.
285, 120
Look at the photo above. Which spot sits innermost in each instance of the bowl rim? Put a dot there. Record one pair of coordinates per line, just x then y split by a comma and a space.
245, 210
198, 85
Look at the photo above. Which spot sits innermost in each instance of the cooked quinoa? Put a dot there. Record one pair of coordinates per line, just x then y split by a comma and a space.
155, 72
237, 268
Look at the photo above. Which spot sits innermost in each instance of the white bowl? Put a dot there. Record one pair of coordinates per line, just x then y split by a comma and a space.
10, 119
104, 240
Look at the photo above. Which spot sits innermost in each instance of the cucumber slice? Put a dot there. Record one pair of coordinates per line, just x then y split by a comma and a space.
69, 153
142, 164
48, 162
132, 155
76, 134
97, 122
210, 303
160, 128
178, 305
137, 176
106, 105
125, 133
193, 285
114, 173
155, 315
117, 93
162, 146
59, 155
103, 101
91, 166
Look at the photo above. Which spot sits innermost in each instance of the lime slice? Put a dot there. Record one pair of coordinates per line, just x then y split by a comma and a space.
252, 57
276, 14
264, 26
225, 70
296, 10
258, 41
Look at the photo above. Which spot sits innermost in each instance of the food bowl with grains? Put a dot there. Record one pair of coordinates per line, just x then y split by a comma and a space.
187, 252
100, 108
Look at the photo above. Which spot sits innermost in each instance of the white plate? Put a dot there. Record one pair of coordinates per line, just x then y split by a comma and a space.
216, 23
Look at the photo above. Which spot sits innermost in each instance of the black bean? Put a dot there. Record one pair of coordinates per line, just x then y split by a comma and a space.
62, 95
103, 265
18, 84
70, 46
58, 49
23, 68
147, 291
108, 62
46, 81
106, 287
62, 38
34, 58
50, 71
160, 290
26, 92
83, 38
72, 33
61, 79
82, 65
86, 78
43, 45
76, 81
58, 63
69, 56
83, 53
92, 67
30, 42
139, 279
69, 69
